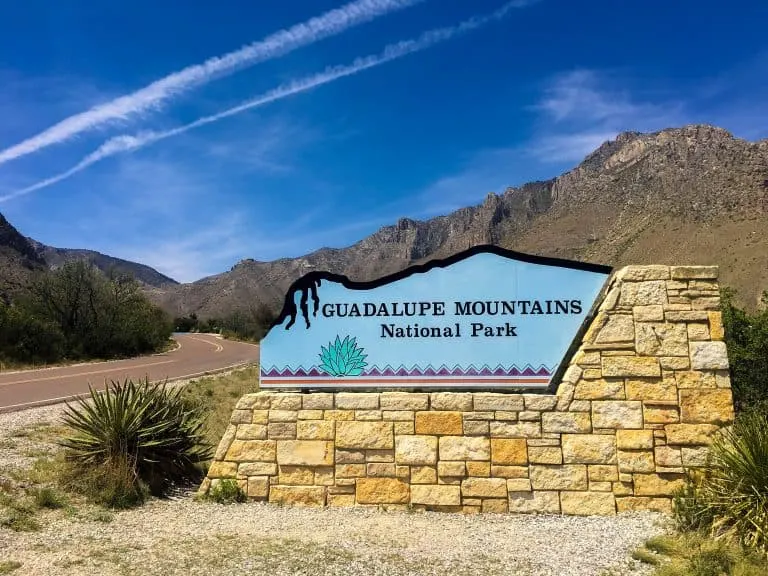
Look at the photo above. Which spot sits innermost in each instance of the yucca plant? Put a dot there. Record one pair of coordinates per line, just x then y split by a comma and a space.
343, 357
151, 435
735, 490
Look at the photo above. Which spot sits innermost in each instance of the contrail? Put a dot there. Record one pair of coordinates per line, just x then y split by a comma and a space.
126, 143
152, 96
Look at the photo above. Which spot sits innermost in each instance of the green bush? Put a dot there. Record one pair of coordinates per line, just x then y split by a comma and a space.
731, 499
226, 491
746, 336
135, 438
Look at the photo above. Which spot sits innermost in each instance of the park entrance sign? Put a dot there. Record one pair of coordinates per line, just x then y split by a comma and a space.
484, 318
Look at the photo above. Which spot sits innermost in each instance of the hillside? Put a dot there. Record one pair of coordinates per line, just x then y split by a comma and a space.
21, 257
685, 195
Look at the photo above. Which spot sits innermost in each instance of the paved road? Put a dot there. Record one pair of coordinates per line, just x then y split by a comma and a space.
197, 354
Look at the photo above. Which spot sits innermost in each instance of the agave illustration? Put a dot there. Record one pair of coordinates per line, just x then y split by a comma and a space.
343, 358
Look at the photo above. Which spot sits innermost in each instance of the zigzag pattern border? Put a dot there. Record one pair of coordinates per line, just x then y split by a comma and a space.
429, 370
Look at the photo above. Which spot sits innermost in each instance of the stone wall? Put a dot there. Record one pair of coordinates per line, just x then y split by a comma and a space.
638, 404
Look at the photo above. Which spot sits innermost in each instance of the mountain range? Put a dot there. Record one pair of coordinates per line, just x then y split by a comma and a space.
694, 195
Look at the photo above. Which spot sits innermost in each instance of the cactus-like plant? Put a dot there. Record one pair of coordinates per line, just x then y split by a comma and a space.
343, 358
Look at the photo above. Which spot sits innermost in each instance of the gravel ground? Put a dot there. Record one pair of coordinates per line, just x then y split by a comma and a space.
190, 538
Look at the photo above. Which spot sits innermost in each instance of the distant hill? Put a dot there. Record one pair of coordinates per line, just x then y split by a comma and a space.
21, 257
684, 195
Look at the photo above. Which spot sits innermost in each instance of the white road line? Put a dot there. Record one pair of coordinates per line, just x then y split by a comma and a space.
60, 376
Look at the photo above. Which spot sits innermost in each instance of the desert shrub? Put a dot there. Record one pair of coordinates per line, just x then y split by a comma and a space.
746, 336
731, 499
135, 439
226, 491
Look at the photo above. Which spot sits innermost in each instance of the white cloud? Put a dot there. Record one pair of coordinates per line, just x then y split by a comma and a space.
128, 143
157, 93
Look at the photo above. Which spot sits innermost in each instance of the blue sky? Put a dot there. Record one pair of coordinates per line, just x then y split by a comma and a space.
98, 146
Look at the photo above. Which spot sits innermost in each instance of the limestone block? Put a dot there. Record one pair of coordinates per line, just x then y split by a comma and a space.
484, 488
404, 428
464, 448
602, 473
698, 332
492, 402
339, 415
667, 456
660, 414
643, 503
341, 500
381, 491
536, 502
296, 475
423, 475
281, 430
690, 434
285, 401
476, 428
657, 484
258, 401
315, 429
588, 503
398, 415
541, 402
324, 476
403, 472
713, 406
454, 401
529, 416
515, 430
495, 505
508, 451
317, 401
566, 477
589, 448
636, 461
645, 272
381, 469
508, 416
675, 362
257, 469
618, 328
586, 359
599, 390
652, 313
573, 422
600, 486
643, 293
518, 485
367, 415
509, 471
404, 401
241, 417
452, 469
222, 470
252, 451
580, 406
685, 316
479, 469
380, 455
695, 380
623, 488
257, 487
439, 423
630, 366
655, 339
651, 389
694, 272
350, 471
359, 435
695, 457
716, 330
349, 456
617, 414
357, 401
260, 416
225, 442
709, 356
436, 495
297, 495
310, 414
545, 455
305, 452
634, 439
416, 450
478, 415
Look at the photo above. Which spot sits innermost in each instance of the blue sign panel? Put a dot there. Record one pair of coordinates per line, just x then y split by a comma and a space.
484, 318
